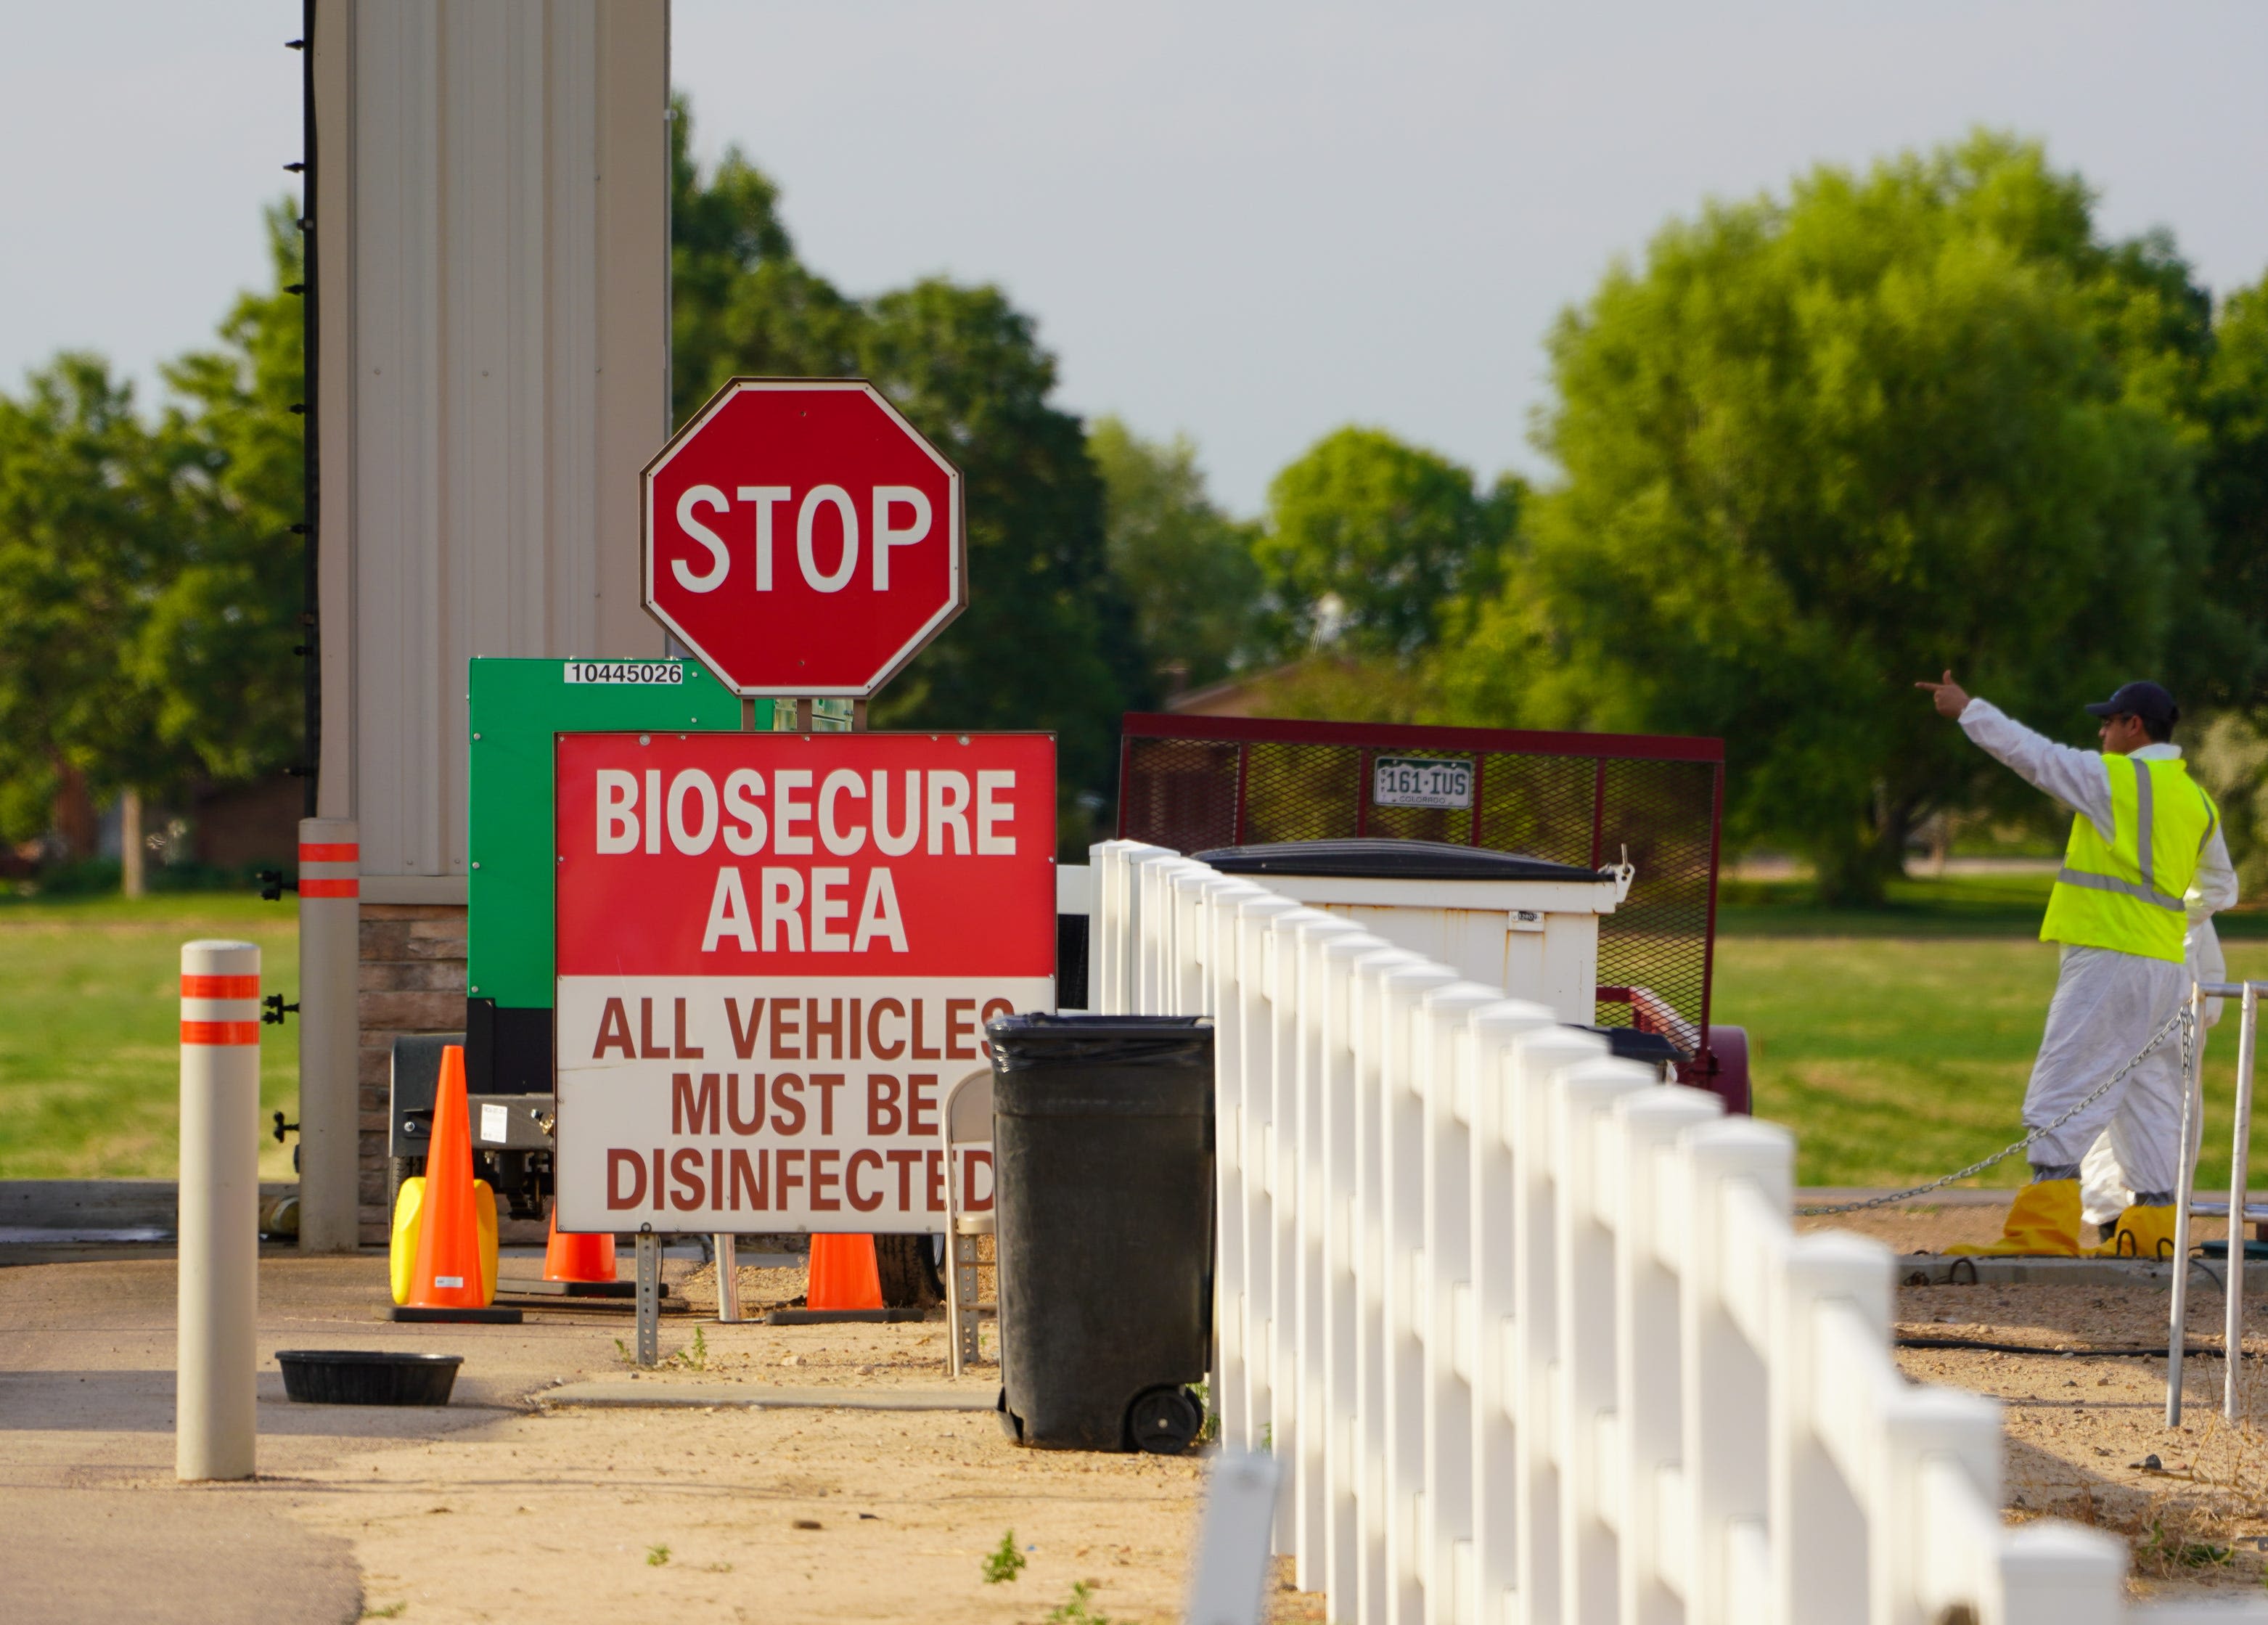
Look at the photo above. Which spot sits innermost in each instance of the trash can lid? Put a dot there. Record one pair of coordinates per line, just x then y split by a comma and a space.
1376, 858
1043, 1039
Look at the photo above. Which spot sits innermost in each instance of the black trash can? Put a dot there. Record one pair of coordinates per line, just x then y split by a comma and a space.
1103, 1160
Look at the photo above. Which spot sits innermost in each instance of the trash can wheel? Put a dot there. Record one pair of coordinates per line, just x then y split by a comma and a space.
1165, 1422
1010, 1423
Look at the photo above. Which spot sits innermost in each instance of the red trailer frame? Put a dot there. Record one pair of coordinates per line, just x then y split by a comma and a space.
1196, 782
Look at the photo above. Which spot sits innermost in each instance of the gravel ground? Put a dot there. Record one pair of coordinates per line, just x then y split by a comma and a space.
2086, 1437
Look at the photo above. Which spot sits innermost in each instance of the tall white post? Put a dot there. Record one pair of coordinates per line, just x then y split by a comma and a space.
2240, 1168
220, 1222
1345, 1273
1400, 1213
1495, 1442
1444, 1050
1579, 1102
330, 921
1536, 1498
1374, 1042
1649, 1386
1832, 1310
1282, 950
1308, 1491
1725, 1378
1246, 1095
2184, 1196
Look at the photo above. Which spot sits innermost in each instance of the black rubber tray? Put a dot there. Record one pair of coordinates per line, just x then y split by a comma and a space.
355, 1377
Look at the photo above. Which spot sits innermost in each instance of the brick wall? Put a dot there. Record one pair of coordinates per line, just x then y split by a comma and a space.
412, 980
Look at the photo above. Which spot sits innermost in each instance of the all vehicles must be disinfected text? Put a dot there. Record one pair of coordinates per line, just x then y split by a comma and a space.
776, 954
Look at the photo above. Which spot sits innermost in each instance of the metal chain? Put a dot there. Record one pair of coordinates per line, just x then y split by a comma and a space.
2183, 1018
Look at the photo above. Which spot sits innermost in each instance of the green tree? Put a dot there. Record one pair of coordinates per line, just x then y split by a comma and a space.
1815, 449
741, 303
1368, 539
1188, 567
89, 527
214, 655
150, 583
2233, 483
1048, 638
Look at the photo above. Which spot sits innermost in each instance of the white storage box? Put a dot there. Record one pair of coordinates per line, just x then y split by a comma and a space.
1524, 924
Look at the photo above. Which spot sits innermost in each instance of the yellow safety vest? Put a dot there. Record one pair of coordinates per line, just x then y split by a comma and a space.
2125, 894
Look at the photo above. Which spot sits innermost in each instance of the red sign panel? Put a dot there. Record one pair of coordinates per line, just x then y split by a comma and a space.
801, 538
776, 953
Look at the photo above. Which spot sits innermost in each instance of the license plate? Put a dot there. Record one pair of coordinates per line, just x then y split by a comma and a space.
1421, 782
625, 672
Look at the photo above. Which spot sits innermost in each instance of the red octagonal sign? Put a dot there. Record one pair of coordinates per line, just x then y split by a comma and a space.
801, 538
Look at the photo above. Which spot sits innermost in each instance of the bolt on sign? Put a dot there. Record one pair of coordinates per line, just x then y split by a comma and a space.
802, 539
777, 951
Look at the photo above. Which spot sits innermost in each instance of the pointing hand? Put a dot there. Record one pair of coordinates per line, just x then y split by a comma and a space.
1950, 698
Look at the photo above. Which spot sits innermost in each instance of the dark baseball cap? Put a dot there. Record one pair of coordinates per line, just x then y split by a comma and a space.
2147, 700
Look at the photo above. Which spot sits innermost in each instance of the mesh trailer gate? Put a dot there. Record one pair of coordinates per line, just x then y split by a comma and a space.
1194, 783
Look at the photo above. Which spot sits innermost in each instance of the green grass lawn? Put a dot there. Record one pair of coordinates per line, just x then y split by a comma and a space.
1959, 905
1896, 1059
89, 1012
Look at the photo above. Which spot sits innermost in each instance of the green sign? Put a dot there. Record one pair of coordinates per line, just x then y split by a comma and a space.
517, 707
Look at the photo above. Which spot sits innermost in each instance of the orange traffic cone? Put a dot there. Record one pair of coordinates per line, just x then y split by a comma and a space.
445, 1282
577, 1258
843, 1274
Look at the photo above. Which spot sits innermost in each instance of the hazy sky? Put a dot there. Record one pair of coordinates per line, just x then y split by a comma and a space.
1252, 222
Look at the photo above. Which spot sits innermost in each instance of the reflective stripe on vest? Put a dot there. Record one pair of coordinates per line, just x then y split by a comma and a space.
2125, 888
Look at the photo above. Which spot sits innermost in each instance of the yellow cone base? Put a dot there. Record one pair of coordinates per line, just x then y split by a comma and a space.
409, 1216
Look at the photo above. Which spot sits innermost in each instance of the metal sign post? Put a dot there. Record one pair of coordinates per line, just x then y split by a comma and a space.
2184, 1191
649, 1298
2240, 1166
2247, 1031
728, 1278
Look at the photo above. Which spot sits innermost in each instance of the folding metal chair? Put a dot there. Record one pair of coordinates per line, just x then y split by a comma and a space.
966, 1121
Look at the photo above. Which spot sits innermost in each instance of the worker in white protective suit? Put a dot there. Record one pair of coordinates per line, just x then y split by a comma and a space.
2145, 869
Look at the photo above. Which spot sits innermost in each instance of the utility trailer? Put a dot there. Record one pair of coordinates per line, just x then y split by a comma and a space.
1589, 800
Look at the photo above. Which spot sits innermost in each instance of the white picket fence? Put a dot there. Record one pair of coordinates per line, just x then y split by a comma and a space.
1531, 1334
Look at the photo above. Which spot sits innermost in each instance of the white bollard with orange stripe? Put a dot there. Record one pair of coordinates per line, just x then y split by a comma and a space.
330, 921
219, 1221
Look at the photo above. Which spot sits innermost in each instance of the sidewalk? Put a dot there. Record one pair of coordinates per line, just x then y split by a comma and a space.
501, 1507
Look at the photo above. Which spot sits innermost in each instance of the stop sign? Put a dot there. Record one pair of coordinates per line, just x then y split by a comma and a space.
801, 538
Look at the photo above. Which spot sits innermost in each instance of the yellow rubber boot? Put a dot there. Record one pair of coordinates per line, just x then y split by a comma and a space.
2141, 1233
2043, 1223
